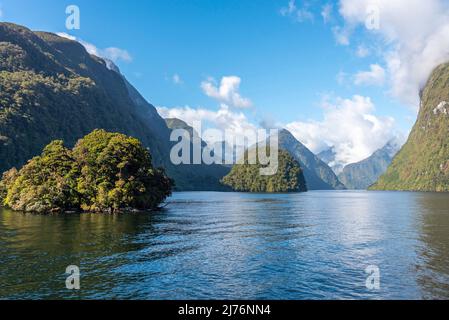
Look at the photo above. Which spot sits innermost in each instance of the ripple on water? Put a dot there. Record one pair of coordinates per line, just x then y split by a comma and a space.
315, 245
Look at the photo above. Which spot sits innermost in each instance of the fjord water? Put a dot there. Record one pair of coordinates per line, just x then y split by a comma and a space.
315, 245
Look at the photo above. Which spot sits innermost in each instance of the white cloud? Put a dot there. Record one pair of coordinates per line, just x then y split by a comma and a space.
341, 77
112, 53
341, 35
375, 76
326, 12
301, 14
227, 92
304, 14
224, 119
67, 36
350, 126
414, 35
362, 51
116, 54
177, 79
290, 9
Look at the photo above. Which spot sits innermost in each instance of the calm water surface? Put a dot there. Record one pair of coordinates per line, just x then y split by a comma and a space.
236, 246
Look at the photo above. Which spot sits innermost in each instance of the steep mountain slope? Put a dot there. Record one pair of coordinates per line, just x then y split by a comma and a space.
361, 175
423, 162
318, 175
51, 88
174, 124
202, 177
329, 157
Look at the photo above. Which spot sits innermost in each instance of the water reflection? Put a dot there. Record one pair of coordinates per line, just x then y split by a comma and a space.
36, 249
433, 269
236, 246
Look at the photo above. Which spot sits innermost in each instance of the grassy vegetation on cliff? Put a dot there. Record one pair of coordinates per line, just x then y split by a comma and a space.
423, 162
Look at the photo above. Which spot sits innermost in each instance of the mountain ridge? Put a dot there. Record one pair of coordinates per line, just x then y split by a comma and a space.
318, 175
362, 174
51, 88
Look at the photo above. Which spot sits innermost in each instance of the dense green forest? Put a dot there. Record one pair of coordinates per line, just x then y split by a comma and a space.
104, 172
247, 178
423, 162
51, 88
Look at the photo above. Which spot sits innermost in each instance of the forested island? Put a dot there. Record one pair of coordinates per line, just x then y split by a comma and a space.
246, 177
104, 172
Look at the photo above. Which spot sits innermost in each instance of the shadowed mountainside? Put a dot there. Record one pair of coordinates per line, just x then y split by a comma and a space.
51, 88
361, 175
318, 175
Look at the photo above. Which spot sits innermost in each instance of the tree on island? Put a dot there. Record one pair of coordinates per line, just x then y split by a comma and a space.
247, 178
105, 172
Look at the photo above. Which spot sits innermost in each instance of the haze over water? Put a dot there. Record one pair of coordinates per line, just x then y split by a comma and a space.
206, 245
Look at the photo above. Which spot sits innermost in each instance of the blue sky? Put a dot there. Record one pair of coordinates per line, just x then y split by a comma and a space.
288, 61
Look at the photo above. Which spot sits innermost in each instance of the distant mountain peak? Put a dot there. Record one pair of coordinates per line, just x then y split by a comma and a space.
329, 156
318, 175
363, 174
393, 146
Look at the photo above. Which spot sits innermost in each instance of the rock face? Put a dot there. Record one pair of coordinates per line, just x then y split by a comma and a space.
318, 175
423, 162
329, 157
51, 88
361, 175
202, 177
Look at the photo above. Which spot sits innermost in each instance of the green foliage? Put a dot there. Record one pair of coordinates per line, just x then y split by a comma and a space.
47, 183
104, 172
8, 179
51, 88
117, 173
423, 162
247, 178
